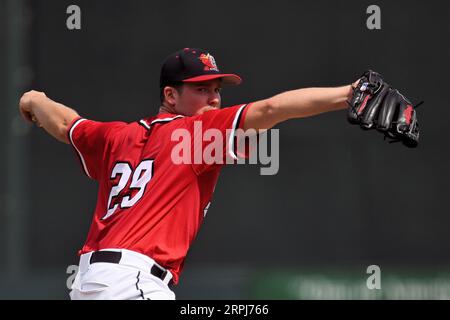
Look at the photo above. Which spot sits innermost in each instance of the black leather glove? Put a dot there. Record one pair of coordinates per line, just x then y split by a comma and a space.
374, 104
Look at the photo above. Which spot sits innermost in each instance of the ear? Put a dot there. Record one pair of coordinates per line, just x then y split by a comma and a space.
171, 95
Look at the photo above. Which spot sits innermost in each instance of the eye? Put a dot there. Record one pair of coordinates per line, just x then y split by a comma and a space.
217, 90
202, 90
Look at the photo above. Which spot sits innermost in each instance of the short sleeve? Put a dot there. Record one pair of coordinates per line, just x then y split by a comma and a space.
90, 139
214, 136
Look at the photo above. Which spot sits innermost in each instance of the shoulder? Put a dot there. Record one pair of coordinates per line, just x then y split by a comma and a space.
93, 125
82, 129
224, 117
160, 119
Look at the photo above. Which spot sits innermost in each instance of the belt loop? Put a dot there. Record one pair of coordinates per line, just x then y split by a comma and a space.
168, 278
84, 262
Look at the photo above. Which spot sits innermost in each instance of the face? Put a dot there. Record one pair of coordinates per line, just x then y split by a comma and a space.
196, 98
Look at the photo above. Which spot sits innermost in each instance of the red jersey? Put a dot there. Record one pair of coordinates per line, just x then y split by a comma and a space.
146, 202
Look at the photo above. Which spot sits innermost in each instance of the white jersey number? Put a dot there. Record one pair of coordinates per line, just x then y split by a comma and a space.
141, 177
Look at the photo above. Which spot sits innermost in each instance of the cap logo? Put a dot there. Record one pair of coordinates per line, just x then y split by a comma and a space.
209, 62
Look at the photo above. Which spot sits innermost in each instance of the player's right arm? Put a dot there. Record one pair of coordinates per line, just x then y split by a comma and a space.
54, 117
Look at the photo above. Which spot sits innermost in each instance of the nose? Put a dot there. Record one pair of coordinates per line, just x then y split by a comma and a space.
214, 99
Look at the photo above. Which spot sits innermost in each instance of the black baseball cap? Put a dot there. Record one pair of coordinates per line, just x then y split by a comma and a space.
193, 65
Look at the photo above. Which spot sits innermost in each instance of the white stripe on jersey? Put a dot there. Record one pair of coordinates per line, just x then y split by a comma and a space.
145, 124
231, 140
79, 153
166, 119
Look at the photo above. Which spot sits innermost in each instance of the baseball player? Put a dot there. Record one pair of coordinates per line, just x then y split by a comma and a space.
149, 208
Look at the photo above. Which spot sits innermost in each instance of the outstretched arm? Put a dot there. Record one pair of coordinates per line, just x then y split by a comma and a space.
52, 116
265, 114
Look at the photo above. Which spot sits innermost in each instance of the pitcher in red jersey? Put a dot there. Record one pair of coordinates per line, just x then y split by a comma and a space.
149, 209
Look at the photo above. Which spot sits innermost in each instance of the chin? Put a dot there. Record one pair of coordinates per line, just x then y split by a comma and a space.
207, 108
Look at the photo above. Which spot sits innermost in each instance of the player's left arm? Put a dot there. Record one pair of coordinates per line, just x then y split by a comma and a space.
54, 117
265, 114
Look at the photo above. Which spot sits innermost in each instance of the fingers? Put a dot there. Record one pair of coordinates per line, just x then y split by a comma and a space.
26, 115
35, 120
388, 110
406, 116
399, 118
30, 117
355, 84
25, 106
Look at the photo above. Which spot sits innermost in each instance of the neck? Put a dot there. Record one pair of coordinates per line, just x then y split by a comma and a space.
166, 109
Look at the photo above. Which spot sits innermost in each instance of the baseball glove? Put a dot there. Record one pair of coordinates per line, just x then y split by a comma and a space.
374, 104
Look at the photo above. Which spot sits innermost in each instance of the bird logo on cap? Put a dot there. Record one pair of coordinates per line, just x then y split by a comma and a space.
209, 62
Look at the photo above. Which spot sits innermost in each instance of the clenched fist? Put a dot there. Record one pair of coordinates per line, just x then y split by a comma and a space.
25, 106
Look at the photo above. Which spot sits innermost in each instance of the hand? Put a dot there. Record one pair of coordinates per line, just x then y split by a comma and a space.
25, 106
374, 104
368, 94
355, 84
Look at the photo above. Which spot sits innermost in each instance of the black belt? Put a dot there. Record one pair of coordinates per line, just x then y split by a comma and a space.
115, 256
